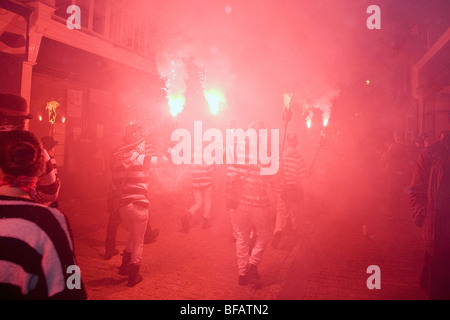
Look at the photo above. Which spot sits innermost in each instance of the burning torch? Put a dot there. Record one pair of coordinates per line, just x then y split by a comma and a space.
51, 108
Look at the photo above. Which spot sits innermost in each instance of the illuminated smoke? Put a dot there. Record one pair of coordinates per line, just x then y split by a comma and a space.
216, 100
309, 118
253, 51
172, 69
287, 100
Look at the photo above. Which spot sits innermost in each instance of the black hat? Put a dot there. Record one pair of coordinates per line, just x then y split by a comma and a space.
48, 142
14, 106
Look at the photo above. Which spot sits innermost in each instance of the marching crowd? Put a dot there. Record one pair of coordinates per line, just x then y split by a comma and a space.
36, 246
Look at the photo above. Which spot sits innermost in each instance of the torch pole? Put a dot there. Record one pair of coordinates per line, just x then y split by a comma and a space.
284, 137
313, 163
287, 116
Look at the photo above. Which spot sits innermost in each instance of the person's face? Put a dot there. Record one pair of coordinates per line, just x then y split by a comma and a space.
9, 124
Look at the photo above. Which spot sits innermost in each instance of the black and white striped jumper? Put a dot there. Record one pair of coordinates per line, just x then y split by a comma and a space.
36, 251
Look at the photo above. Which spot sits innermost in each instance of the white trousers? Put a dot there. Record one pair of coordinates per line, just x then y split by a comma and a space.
245, 220
135, 217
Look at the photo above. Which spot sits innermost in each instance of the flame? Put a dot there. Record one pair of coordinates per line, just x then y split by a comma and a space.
325, 122
309, 118
51, 107
176, 104
287, 100
216, 100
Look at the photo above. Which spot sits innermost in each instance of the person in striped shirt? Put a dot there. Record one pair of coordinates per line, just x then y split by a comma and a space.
249, 198
49, 145
129, 192
290, 191
114, 220
202, 187
13, 114
37, 260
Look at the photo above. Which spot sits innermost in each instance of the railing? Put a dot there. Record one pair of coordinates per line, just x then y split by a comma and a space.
118, 21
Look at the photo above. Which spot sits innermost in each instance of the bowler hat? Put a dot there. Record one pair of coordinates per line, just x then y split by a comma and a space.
48, 142
14, 106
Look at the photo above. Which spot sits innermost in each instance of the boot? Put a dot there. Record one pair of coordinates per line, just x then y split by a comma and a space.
252, 272
126, 263
150, 235
134, 277
251, 277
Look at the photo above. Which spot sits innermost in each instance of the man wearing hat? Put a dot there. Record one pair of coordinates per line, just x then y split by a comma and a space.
290, 192
251, 215
128, 198
13, 114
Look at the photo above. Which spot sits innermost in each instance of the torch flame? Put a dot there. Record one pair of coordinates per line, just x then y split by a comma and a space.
176, 104
215, 99
51, 107
309, 118
287, 100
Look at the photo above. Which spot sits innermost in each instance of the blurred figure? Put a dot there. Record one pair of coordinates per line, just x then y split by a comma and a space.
290, 197
114, 219
202, 187
13, 114
430, 203
426, 140
49, 145
36, 247
397, 162
129, 197
419, 143
234, 172
150, 234
251, 214
417, 149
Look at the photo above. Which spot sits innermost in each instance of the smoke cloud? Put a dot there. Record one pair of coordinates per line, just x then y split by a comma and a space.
254, 51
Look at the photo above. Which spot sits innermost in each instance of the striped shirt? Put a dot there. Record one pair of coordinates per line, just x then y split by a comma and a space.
246, 181
48, 184
130, 174
202, 175
293, 168
36, 251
